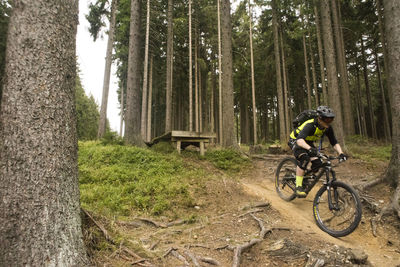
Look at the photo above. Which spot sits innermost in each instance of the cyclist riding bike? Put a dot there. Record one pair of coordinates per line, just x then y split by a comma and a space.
302, 144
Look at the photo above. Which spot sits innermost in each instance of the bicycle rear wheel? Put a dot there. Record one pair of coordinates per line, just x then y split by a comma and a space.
285, 179
345, 215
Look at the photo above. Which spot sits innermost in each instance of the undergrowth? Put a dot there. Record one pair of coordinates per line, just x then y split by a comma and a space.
227, 159
368, 150
116, 180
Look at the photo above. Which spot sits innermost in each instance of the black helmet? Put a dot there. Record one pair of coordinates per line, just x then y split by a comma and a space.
325, 112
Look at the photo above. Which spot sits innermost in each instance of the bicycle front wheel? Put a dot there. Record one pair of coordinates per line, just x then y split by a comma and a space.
285, 179
337, 210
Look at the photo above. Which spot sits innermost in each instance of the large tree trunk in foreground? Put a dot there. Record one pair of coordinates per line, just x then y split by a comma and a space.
132, 120
40, 221
392, 30
107, 73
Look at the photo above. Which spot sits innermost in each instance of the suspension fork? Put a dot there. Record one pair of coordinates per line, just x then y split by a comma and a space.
332, 206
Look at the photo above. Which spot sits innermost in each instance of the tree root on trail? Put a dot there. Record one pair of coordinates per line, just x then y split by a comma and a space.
392, 207
238, 250
194, 258
160, 224
100, 226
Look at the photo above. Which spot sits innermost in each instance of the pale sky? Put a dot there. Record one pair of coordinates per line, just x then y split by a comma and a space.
91, 59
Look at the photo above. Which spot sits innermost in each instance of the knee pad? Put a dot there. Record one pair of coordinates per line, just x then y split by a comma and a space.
303, 160
316, 164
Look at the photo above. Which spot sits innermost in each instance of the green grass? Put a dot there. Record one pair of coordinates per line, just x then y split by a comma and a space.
117, 180
227, 159
367, 149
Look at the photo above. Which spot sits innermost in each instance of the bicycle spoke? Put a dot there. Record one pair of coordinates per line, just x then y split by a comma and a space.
342, 215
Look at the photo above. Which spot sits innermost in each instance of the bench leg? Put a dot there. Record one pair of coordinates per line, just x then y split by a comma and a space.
202, 148
178, 146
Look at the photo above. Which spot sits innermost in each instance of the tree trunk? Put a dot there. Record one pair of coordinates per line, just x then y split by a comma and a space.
282, 126
132, 120
168, 98
392, 30
307, 73
363, 128
143, 120
321, 55
196, 81
190, 70
348, 121
253, 90
220, 137
314, 74
107, 72
386, 124
40, 223
228, 119
368, 92
285, 88
333, 86
149, 105
122, 111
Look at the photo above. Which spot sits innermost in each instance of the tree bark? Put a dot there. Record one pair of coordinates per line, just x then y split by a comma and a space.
333, 86
253, 90
348, 121
307, 73
196, 80
363, 128
314, 74
149, 105
107, 72
282, 126
220, 137
190, 69
170, 40
40, 223
122, 111
285, 88
132, 120
143, 121
392, 31
386, 124
321, 55
228, 119
368, 92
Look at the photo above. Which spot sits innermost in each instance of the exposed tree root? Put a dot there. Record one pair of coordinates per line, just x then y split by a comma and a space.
194, 258
238, 250
392, 207
100, 226
159, 224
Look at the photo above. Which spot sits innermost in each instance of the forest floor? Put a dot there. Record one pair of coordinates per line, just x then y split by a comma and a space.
232, 211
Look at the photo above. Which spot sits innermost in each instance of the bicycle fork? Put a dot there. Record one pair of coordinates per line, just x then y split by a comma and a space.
332, 205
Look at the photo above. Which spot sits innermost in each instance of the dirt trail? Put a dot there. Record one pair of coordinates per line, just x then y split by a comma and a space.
298, 215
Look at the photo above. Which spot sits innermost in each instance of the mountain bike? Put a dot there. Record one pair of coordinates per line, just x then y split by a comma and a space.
336, 207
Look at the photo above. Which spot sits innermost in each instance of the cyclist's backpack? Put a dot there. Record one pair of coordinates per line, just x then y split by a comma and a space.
304, 116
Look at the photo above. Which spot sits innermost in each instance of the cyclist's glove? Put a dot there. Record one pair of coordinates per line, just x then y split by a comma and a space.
313, 152
342, 157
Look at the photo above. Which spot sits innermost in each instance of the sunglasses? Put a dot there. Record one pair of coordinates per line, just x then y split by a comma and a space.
327, 120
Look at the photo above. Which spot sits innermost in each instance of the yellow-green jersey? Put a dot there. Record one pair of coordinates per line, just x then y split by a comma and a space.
311, 132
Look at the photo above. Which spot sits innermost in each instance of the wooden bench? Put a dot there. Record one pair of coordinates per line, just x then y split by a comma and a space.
186, 138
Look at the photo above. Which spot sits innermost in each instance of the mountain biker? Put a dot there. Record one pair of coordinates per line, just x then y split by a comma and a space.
302, 144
